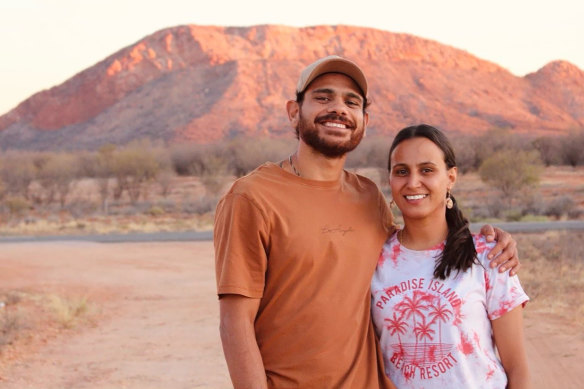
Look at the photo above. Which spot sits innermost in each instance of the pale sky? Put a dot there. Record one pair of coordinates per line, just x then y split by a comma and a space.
45, 42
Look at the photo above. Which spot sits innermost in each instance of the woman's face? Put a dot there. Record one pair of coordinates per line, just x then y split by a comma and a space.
419, 179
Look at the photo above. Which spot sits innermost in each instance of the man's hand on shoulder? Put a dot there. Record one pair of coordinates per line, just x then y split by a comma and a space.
505, 251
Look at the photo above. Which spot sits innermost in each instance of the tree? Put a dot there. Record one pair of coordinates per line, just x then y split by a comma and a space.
245, 154
496, 140
133, 167
57, 175
550, 149
572, 146
465, 146
17, 172
104, 172
510, 171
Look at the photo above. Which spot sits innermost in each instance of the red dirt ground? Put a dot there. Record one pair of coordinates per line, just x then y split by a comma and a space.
153, 320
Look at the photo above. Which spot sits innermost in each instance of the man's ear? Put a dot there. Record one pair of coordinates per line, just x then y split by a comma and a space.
293, 110
365, 122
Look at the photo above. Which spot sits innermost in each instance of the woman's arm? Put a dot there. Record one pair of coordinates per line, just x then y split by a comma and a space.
509, 339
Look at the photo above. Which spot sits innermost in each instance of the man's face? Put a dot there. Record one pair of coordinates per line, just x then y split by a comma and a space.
331, 118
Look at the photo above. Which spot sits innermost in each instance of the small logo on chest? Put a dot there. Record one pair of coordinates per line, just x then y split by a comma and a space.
326, 229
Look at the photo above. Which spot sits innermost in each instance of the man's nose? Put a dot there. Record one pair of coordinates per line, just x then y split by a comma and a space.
338, 106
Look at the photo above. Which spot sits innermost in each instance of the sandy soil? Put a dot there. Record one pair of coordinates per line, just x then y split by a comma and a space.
152, 321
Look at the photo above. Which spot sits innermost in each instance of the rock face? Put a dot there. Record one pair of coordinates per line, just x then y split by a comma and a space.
205, 83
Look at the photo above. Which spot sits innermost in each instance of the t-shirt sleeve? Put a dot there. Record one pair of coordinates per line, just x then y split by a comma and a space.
240, 247
503, 292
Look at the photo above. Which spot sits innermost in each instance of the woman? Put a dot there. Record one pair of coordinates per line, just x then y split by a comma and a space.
444, 318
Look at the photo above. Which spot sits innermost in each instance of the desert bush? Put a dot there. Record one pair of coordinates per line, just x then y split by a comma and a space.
498, 140
87, 164
80, 207
530, 203
166, 175
373, 151
17, 206
57, 175
211, 164
245, 154
572, 146
17, 171
165, 180
199, 160
214, 184
202, 205
495, 206
237, 157
134, 166
513, 215
155, 210
465, 146
68, 311
560, 206
103, 173
511, 171
550, 149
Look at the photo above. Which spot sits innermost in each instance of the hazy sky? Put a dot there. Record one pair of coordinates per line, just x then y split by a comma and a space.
45, 42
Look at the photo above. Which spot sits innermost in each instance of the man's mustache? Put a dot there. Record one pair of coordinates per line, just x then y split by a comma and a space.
335, 118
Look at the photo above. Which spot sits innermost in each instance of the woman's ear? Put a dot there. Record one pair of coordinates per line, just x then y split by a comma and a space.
452, 175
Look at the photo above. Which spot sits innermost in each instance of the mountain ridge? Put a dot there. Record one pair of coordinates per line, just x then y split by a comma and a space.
210, 83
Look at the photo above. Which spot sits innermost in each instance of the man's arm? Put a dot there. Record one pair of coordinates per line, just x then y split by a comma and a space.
237, 315
506, 246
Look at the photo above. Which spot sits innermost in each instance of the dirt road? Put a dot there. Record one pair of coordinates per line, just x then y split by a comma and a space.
153, 320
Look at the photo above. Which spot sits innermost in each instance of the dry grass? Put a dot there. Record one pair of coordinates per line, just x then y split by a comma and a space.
68, 312
108, 224
552, 273
24, 315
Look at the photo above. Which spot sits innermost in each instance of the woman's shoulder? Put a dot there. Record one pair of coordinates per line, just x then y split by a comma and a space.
482, 247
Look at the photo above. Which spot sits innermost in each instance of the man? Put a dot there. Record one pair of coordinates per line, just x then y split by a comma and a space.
296, 245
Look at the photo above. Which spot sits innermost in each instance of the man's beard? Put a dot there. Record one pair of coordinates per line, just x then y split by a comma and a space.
309, 134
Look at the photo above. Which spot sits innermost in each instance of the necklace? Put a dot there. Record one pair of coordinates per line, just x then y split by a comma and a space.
293, 167
400, 236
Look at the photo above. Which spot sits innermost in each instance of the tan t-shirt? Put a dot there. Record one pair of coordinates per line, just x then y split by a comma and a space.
308, 250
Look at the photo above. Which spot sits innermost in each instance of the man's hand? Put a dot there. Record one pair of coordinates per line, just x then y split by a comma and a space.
506, 246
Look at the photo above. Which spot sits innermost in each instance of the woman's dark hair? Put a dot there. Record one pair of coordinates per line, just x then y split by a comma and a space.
459, 252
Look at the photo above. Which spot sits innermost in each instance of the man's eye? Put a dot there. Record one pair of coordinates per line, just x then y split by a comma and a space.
353, 103
401, 172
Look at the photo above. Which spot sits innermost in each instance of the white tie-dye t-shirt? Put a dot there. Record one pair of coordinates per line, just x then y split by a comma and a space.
437, 333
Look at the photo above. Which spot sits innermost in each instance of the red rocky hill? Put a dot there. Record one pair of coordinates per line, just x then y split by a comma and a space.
207, 83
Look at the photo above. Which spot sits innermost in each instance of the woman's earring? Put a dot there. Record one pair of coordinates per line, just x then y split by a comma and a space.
449, 202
